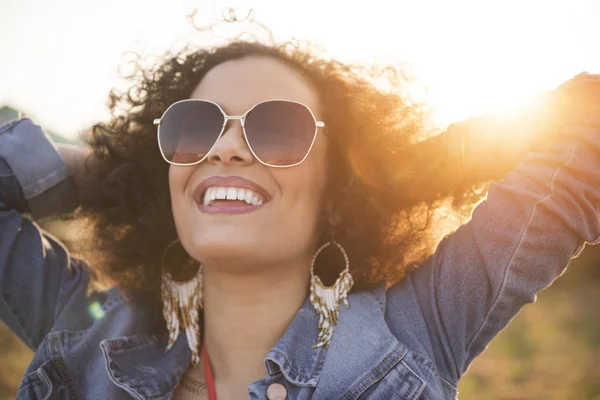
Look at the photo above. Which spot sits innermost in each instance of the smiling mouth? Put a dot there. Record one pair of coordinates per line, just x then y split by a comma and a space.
231, 196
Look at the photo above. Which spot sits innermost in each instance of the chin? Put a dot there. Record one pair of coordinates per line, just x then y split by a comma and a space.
221, 247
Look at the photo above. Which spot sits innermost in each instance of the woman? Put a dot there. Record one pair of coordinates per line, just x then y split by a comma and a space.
297, 190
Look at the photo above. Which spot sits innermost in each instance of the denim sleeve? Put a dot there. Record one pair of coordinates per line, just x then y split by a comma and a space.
38, 167
36, 273
517, 242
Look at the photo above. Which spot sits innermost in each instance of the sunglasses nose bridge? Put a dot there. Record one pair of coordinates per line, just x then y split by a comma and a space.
221, 147
239, 118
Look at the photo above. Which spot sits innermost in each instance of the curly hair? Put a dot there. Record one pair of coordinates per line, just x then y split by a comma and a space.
386, 181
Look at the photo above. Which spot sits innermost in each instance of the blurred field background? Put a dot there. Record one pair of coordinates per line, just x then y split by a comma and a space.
550, 351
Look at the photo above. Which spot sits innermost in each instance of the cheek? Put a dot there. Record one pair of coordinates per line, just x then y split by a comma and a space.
178, 176
303, 189
174, 181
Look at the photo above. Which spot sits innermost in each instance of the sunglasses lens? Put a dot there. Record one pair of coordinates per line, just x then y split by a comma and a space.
188, 130
280, 133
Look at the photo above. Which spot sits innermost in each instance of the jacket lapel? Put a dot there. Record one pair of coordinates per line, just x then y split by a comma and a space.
362, 351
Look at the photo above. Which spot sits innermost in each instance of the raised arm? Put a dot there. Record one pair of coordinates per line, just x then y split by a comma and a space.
518, 241
37, 277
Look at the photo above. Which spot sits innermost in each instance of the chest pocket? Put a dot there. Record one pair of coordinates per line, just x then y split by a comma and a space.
401, 383
43, 384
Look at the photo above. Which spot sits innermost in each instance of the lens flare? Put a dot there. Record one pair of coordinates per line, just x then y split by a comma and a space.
95, 310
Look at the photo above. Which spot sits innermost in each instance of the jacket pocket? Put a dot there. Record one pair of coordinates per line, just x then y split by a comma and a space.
42, 384
35, 385
401, 382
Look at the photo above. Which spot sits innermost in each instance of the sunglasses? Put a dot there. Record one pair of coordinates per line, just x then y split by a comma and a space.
279, 133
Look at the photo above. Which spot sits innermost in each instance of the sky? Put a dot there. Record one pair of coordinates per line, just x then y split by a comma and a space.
60, 58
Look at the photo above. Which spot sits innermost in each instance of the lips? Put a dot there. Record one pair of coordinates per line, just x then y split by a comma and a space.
226, 206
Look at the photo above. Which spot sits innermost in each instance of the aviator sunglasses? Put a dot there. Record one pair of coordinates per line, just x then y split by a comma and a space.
279, 133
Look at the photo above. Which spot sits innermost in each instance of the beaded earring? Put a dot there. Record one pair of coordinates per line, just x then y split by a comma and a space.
181, 304
326, 299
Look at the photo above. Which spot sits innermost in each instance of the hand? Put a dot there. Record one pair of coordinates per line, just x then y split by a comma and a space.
491, 144
75, 157
576, 99
485, 148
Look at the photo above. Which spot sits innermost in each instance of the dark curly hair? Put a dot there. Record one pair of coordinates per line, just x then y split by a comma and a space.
388, 174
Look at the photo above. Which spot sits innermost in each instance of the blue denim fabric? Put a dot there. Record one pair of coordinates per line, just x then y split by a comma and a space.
413, 340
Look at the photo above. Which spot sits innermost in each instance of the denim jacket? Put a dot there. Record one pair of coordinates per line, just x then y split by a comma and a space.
410, 341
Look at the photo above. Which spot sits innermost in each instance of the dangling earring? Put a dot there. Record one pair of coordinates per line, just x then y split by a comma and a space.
326, 300
181, 304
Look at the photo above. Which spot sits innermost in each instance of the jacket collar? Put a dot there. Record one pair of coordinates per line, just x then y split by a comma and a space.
361, 342
138, 364
293, 354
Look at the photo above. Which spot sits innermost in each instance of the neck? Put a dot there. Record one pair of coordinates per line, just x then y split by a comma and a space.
245, 314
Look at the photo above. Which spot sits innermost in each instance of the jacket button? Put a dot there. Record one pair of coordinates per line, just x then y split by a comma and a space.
276, 391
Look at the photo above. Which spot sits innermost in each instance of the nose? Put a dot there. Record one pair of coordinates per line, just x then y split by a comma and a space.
231, 148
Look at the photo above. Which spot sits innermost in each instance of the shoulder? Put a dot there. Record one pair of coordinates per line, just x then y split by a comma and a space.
384, 363
71, 359
86, 307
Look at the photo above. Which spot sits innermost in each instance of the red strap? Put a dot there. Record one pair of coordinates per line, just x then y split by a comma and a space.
208, 376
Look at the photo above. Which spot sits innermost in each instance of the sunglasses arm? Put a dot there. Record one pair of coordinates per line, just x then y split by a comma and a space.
156, 121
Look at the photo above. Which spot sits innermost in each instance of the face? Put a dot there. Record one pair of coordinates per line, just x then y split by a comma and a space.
283, 229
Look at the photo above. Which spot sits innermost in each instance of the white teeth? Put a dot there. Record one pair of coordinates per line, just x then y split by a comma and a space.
206, 197
231, 193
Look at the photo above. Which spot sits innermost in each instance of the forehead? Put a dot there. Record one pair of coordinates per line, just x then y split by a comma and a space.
237, 85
